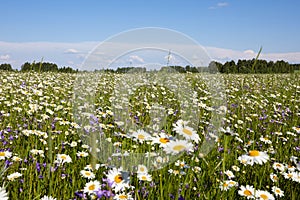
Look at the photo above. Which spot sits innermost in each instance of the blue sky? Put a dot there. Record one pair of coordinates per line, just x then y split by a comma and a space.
233, 25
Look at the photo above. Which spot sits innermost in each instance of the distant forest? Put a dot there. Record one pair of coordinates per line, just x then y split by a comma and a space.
241, 67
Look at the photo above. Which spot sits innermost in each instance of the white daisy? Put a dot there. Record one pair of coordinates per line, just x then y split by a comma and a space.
5, 154
228, 131
13, 176
297, 129
274, 177
177, 146
123, 196
73, 144
264, 195
266, 140
82, 154
181, 164
278, 166
87, 174
3, 194
63, 158
296, 177
244, 159
235, 168
47, 198
288, 175
89, 167
16, 159
144, 177
277, 191
118, 182
232, 183
290, 168
229, 174
141, 135
247, 191
142, 169
226, 185
162, 139
187, 132
294, 159
91, 186
258, 157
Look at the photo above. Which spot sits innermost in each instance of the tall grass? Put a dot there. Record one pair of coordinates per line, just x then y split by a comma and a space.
260, 108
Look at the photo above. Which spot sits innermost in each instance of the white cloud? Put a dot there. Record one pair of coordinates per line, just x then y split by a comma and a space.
249, 51
222, 4
4, 57
48, 51
219, 5
223, 55
134, 58
71, 51
55, 52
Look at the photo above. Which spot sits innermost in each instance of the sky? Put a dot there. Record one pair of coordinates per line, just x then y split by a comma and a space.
65, 31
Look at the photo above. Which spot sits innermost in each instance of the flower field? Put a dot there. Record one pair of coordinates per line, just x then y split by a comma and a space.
48, 151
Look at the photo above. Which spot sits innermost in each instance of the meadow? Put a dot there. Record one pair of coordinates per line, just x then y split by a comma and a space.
48, 151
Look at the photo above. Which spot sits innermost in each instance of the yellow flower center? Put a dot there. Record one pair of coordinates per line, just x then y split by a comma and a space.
92, 187
164, 140
187, 131
144, 178
254, 153
225, 184
87, 173
178, 147
122, 196
2, 153
141, 137
232, 183
263, 196
63, 157
277, 191
118, 178
142, 169
247, 193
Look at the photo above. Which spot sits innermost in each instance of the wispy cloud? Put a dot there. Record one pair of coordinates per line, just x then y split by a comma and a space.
72, 51
64, 54
135, 58
222, 4
219, 5
223, 55
4, 57
74, 54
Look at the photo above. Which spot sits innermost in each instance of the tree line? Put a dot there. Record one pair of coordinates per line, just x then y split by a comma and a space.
232, 67
253, 66
39, 67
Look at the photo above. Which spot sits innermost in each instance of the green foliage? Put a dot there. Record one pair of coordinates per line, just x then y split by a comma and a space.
45, 67
6, 67
39, 67
255, 66
36, 114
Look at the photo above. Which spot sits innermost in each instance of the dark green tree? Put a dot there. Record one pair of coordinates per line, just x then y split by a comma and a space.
6, 67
